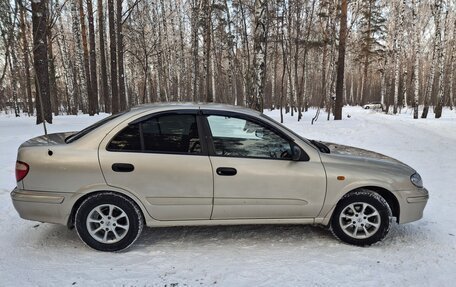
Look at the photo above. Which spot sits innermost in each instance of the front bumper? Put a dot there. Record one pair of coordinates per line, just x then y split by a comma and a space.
412, 204
42, 206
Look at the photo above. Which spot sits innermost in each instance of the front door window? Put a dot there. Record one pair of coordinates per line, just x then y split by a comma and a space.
238, 137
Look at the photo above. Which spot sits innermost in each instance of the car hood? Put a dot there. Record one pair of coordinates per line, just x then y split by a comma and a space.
47, 140
358, 152
367, 158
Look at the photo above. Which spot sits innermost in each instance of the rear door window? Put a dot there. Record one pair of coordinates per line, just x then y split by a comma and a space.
169, 133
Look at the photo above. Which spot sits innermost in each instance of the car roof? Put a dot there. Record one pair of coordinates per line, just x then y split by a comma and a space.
183, 106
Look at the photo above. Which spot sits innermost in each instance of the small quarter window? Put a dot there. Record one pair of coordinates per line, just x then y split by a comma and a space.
128, 139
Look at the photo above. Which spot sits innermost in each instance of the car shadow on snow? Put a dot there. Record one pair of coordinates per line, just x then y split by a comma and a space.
243, 235
57, 236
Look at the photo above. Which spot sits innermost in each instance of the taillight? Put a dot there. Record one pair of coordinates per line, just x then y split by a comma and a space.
21, 170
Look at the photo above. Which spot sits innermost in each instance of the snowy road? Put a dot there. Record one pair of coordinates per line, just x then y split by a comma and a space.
417, 254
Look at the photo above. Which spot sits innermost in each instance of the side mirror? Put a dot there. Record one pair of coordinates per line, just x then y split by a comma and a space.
259, 134
296, 153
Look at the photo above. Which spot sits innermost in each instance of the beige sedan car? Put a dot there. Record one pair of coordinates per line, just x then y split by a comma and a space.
190, 164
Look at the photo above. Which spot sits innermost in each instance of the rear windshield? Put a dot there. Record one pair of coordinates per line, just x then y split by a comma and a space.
88, 129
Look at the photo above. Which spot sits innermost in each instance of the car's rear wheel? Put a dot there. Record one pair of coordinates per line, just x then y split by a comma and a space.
108, 221
361, 218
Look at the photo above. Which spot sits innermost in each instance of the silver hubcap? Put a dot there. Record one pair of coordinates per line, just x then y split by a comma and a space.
360, 220
107, 223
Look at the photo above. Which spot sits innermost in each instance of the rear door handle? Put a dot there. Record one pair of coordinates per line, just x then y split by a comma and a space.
123, 167
226, 171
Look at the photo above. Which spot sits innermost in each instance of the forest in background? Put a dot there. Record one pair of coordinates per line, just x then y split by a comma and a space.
91, 56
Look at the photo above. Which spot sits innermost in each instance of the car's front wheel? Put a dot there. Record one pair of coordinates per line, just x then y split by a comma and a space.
361, 218
108, 221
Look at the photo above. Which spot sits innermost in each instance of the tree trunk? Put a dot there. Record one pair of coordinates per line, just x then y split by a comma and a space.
416, 47
120, 58
303, 85
435, 56
259, 57
86, 58
52, 79
441, 63
40, 61
79, 61
341, 62
25, 52
195, 45
93, 107
104, 90
113, 50
14, 72
364, 80
232, 83
207, 27
452, 66
397, 53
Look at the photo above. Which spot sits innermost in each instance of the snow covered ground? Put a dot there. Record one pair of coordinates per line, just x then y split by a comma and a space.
422, 253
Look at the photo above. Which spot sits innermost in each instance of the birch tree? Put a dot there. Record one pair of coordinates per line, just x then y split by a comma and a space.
397, 52
441, 63
79, 62
259, 56
436, 56
104, 90
416, 48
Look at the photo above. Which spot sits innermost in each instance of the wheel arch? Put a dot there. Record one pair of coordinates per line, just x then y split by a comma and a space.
78, 202
389, 197
383, 192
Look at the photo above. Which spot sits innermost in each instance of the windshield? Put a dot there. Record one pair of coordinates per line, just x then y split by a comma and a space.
320, 146
284, 127
90, 128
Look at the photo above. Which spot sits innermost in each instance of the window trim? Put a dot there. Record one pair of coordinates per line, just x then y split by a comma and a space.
193, 112
211, 148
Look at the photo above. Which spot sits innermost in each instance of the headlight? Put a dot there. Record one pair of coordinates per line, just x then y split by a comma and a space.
416, 180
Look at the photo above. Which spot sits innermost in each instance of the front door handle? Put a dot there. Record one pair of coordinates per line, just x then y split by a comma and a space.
123, 167
226, 171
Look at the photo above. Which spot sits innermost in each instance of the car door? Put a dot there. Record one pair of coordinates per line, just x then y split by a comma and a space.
254, 174
161, 160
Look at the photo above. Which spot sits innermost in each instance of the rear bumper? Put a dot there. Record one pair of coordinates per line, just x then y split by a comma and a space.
412, 204
42, 206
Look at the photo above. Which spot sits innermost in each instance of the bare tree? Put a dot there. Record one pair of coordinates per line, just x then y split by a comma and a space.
416, 46
25, 53
259, 56
437, 8
40, 61
341, 61
120, 57
441, 63
104, 89
113, 52
93, 101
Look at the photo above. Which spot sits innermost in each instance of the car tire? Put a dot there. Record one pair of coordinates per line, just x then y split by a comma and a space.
108, 221
362, 217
